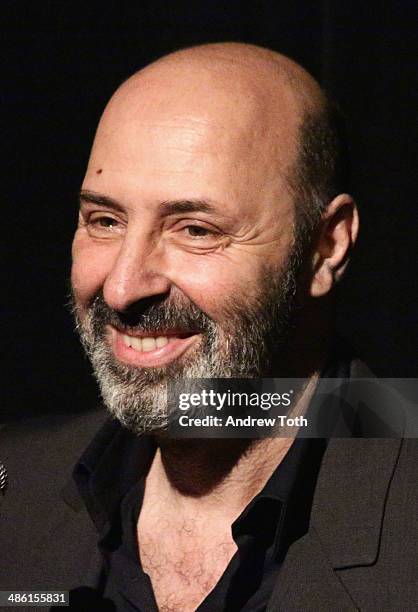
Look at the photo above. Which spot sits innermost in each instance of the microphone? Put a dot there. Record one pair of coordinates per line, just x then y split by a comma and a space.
3, 479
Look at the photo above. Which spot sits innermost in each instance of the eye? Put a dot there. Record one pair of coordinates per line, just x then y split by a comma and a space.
196, 231
102, 225
105, 222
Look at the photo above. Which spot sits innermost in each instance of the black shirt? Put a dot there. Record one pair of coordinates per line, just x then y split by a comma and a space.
262, 533
111, 477
276, 517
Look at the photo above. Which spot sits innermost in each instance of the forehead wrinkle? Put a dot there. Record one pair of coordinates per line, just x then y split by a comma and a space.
232, 141
200, 91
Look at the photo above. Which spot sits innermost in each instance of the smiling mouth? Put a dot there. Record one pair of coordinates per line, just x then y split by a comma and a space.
148, 342
151, 349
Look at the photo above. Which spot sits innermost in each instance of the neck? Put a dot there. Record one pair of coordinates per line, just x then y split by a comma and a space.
219, 475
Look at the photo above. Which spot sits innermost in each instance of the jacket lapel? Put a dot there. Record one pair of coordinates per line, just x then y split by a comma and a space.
350, 496
345, 527
349, 502
307, 581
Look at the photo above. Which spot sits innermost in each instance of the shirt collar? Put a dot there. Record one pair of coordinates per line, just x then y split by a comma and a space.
280, 511
109, 467
116, 460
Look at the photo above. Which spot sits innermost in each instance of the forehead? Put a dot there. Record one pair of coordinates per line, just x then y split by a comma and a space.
163, 139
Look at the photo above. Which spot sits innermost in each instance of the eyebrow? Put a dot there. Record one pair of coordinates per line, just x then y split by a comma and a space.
164, 208
91, 197
186, 206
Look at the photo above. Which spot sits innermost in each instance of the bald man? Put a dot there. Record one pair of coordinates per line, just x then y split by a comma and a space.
214, 224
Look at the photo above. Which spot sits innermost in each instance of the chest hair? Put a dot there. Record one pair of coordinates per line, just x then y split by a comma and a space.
183, 562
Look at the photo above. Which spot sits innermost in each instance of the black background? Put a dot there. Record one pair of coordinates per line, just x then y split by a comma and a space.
63, 60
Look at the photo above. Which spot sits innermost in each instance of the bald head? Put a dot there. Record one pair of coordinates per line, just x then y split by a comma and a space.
259, 96
260, 70
265, 76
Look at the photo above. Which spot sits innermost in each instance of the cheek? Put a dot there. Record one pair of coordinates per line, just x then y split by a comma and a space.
215, 280
90, 267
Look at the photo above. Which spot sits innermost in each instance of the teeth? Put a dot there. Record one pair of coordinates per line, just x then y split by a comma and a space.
126, 340
148, 343
136, 343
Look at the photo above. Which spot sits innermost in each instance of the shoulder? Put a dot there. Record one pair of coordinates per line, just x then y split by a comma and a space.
46, 542
48, 437
44, 425
39, 454
362, 540
371, 406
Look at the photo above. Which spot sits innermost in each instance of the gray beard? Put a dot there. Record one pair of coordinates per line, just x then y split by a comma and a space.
254, 337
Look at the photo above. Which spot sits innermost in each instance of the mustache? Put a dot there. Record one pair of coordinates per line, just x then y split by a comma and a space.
148, 316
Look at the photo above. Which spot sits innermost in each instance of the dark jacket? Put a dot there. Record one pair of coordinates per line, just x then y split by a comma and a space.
360, 553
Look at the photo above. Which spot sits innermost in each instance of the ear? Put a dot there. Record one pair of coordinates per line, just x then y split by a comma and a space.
338, 233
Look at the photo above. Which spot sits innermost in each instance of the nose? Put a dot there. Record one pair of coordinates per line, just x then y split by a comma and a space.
137, 274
